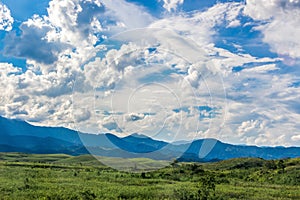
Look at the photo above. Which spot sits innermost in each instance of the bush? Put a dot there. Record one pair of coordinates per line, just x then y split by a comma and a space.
88, 195
207, 187
184, 193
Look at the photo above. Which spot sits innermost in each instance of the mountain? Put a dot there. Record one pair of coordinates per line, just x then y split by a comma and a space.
10, 127
17, 128
19, 136
223, 151
137, 143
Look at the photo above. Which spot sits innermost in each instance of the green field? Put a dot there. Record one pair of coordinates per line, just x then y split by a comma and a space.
59, 176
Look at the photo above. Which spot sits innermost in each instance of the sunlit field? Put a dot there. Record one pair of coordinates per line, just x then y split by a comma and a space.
59, 176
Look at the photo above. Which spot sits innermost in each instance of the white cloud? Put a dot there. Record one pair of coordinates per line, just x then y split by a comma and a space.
33, 44
260, 107
56, 46
262, 69
193, 77
202, 23
226, 60
281, 24
130, 15
248, 90
252, 127
73, 28
171, 5
74, 21
6, 19
81, 115
44, 99
296, 138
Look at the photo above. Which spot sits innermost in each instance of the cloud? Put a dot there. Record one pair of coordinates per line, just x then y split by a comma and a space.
81, 115
129, 15
6, 19
73, 28
55, 46
171, 5
259, 106
280, 24
73, 21
130, 73
251, 126
135, 116
33, 44
24, 96
296, 138
193, 77
262, 69
203, 24
249, 91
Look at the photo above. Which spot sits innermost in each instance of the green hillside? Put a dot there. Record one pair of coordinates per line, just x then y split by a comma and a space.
59, 176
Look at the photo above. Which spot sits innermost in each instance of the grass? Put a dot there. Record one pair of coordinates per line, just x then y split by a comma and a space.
59, 176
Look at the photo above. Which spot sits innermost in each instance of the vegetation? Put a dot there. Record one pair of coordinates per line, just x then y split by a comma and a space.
59, 176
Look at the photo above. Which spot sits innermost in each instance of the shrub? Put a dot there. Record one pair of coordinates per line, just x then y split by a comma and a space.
88, 195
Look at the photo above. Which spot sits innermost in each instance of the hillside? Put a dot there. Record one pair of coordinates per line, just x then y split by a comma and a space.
60, 176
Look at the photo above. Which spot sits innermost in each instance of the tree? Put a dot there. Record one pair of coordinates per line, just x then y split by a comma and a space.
143, 175
207, 187
270, 164
281, 166
175, 163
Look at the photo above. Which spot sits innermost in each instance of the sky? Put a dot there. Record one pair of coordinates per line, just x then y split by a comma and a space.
170, 69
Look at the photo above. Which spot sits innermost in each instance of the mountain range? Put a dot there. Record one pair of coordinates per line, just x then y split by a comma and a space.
20, 136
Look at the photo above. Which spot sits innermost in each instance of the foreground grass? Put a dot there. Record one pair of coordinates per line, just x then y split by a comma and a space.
25, 176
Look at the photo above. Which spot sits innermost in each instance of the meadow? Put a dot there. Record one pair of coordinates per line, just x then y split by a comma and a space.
60, 176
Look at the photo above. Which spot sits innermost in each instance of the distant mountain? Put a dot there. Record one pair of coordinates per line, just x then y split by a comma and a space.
223, 151
19, 136
137, 143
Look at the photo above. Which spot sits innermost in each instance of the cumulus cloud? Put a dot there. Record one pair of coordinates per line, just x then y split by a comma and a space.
33, 44
6, 19
26, 96
81, 115
247, 127
73, 28
73, 21
193, 77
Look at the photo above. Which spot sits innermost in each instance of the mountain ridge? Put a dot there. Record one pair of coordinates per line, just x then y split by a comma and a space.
16, 135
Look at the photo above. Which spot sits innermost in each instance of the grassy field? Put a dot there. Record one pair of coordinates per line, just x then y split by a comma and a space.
59, 176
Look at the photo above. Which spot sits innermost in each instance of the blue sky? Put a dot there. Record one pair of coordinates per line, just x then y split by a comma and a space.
170, 69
